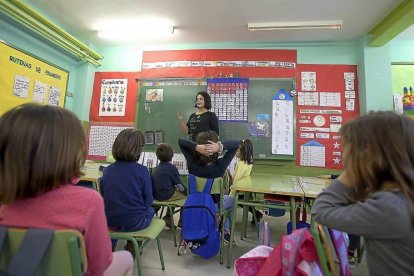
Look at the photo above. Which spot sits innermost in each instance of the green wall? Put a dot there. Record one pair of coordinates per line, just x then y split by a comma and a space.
374, 70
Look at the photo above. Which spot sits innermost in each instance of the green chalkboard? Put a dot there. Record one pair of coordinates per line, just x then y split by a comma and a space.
154, 116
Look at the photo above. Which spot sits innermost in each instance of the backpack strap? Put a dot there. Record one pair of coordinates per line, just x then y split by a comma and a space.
192, 185
208, 186
30, 252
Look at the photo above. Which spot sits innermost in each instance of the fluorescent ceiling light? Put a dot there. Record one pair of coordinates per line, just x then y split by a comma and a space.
137, 32
304, 25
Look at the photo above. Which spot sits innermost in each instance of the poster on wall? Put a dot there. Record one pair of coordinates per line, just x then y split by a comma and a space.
321, 111
229, 98
101, 138
403, 88
25, 78
113, 97
282, 123
116, 92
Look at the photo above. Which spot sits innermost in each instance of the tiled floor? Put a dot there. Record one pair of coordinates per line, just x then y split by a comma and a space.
192, 265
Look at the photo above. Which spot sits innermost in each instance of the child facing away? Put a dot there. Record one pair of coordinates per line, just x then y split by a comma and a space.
42, 151
167, 184
203, 160
126, 186
243, 169
374, 196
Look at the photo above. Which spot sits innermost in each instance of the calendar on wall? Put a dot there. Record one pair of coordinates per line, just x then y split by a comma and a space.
229, 98
101, 138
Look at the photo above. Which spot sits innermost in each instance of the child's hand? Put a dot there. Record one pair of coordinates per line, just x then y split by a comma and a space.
202, 149
212, 147
180, 187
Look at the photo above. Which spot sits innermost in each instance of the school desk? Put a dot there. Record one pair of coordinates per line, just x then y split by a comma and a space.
285, 185
312, 186
91, 172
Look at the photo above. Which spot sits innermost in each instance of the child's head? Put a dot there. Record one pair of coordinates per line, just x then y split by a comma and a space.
42, 147
245, 151
378, 148
202, 139
128, 145
164, 152
203, 99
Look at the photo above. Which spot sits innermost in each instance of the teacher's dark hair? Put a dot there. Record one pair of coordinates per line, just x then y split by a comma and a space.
207, 99
42, 147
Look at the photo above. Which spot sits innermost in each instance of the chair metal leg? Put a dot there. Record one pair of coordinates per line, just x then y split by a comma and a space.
160, 253
222, 240
137, 255
173, 228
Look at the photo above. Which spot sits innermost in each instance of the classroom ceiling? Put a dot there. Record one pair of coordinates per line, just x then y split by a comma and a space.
213, 21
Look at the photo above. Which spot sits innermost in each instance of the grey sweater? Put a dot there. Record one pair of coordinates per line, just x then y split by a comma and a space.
383, 219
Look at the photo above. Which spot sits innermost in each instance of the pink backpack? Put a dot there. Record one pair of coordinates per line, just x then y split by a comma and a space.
294, 255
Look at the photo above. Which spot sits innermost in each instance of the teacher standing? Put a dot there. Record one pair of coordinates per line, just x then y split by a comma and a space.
202, 120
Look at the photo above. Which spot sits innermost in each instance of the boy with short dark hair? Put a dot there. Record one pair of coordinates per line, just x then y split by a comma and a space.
167, 185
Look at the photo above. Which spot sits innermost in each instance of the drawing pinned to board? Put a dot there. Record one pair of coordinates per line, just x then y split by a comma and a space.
149, 137
259, 129
39, 92
154, 95
113, 97
21, 86
308, 81
54, 96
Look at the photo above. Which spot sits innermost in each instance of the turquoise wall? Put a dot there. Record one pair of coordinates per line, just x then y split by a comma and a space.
374, 70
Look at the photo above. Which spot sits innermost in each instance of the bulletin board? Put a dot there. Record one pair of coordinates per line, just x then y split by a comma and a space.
327, 99
25, 78
154, 115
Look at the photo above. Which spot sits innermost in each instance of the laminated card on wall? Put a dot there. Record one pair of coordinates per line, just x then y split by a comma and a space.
282, 123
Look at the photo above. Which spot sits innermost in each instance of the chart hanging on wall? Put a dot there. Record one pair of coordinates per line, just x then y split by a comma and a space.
282, 123
113, 97
101, 137
25, 78
229, 98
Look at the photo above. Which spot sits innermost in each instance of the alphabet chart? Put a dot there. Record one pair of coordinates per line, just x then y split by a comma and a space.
229, 98
100, 139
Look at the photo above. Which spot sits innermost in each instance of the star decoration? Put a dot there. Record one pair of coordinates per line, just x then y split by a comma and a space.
336, 145
336, 160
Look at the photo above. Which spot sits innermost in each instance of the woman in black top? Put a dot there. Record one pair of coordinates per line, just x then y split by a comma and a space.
202, 120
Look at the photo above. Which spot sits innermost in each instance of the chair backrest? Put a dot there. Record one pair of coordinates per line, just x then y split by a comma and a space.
323, 258
66, 254
217, 187
329, 249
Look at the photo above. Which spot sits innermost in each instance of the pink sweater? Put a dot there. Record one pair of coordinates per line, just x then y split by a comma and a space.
67, 207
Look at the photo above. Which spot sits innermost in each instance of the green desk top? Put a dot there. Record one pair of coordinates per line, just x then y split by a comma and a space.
280, 184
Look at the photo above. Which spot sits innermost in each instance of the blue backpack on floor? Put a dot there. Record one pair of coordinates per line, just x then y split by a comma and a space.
200, 231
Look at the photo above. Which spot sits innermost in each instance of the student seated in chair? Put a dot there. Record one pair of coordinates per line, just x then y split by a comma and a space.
167, 184
126, 186
374, 196
203, 160
42, 151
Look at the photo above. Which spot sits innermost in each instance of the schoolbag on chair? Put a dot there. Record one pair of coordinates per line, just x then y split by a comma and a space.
200, 231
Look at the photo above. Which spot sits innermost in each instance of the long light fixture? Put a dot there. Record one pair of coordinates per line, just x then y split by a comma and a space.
22, 13
298, 25
138, 32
